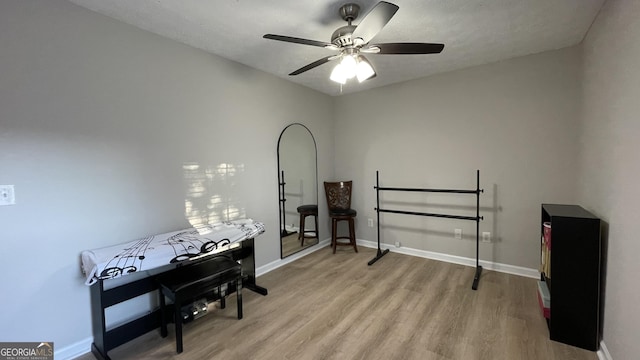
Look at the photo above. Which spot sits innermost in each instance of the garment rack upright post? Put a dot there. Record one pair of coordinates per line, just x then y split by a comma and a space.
476, 218
283, 201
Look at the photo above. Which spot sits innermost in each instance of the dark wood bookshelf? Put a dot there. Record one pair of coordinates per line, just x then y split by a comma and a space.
575, 274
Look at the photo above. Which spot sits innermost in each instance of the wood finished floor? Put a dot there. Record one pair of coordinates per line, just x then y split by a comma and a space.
326, 306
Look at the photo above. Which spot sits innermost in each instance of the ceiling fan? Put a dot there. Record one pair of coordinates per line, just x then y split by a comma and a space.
351, 41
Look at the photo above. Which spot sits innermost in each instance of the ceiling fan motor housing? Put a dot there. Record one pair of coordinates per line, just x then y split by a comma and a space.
342, 36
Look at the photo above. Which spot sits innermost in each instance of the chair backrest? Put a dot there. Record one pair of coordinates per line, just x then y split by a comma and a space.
338, 194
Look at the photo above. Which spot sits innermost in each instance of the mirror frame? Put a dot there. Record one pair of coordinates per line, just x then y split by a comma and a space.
281, 207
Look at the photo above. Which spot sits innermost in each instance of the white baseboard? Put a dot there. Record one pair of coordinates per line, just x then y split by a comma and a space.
489, 265
603, 353
74, 350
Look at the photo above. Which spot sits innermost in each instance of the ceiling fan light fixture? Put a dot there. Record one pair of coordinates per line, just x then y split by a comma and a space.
345, 70
364, 70
352, 66
349, 66
338, 74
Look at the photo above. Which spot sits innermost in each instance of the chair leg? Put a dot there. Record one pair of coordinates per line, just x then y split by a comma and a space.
334, 230
301, 235
239, 296
163, 315
301, 232
223, 301
352, 234
178, 322
316, 223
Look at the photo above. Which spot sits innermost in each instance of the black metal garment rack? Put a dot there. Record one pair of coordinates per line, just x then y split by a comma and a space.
476, 218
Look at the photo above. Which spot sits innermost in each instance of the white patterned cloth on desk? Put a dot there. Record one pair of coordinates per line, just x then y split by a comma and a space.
159, 250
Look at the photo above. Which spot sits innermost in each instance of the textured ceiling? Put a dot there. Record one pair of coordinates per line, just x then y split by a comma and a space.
474, 32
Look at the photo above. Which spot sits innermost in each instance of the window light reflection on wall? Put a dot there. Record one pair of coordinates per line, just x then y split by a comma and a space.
209, 193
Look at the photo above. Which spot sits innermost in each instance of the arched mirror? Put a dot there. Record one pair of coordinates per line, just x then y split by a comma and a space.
298, 189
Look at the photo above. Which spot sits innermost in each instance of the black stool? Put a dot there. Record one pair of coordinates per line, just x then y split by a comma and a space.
187, 283
307, 210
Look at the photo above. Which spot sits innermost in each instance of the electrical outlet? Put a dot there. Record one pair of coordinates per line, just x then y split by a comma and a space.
457, 233
486, 236
397, 244
7, 195
370, 222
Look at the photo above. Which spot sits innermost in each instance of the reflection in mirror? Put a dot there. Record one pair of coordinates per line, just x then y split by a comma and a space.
298, 189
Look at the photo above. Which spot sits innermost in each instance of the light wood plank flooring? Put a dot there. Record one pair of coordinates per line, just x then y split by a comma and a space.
327, 306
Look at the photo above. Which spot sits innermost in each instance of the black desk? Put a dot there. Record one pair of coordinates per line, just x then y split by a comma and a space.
105, 340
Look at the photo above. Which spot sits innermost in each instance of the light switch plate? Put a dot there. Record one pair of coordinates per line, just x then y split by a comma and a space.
7, 195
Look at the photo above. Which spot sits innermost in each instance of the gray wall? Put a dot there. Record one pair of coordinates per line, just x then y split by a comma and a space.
609, 162
515, 121
108, 134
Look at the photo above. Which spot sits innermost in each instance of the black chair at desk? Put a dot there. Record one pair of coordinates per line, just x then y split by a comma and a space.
189, 282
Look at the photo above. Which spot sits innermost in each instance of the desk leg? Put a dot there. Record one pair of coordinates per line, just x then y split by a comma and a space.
256, 288
249, 268
98, 353
98, 322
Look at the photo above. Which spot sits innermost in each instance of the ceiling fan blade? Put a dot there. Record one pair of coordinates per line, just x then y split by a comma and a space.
314, 64
374, 21
404, 48
300, 41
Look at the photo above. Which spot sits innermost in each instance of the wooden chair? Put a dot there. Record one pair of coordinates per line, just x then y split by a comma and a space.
189, 282
304, 211
339, 203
